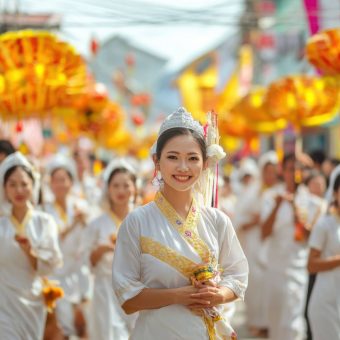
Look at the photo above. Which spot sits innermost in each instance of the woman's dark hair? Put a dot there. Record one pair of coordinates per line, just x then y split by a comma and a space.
6, 147
61, 168
122, 170
171, 133
9, 172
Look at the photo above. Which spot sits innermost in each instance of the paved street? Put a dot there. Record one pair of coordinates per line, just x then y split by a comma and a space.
239, 323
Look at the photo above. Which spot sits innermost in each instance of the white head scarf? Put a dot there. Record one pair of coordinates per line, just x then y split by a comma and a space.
62, 162
269, 157
248, 167
16, 159
329, 193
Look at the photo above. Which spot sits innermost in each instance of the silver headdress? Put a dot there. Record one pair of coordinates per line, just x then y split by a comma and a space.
180, 118
16, 159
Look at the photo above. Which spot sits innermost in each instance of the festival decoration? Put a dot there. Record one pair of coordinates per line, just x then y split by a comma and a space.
323, 51
304, 100
37, 73
253, 109
51, 293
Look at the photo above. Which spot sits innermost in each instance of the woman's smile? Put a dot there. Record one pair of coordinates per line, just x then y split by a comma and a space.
182, 178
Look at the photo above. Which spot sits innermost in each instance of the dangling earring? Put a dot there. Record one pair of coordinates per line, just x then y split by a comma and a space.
157, 179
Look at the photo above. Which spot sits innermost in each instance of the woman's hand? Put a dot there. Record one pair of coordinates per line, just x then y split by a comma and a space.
25, 245
213, 295
186, 296
98, 253
79, 217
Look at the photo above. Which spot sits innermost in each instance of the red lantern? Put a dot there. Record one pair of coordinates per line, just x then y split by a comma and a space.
94, 46
19, 127
137, 120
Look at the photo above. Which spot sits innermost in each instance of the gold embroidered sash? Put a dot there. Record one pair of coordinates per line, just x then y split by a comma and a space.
167, 255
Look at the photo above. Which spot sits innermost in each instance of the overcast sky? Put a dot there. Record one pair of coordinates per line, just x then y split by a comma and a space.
177, 43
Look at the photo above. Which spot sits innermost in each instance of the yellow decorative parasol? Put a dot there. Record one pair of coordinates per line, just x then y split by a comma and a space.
37, 72
304, 100
253, 109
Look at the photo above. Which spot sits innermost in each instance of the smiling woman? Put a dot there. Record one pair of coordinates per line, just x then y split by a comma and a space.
162, 245
28, 250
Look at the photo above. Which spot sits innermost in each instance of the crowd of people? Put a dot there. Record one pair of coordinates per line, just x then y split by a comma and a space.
176, 266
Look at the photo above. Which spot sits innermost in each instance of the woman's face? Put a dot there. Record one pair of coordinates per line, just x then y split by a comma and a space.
61, 183
317, 186
18, 188
288, 172
269, 174
181, 163
121, 189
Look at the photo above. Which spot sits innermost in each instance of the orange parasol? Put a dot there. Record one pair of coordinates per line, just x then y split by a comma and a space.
37, 73
323, 51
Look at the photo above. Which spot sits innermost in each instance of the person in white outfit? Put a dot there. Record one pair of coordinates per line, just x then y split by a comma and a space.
249, 231
71, 216
324, 259
111, 323
29, 251
285, 215
162, 244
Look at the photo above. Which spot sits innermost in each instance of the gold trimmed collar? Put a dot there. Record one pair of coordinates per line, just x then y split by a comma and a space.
20, 227
117, 221
188, 228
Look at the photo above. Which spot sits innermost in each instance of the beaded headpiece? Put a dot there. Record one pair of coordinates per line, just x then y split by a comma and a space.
181, 118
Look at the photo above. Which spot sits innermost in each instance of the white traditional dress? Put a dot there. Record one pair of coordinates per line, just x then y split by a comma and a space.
107, 320
324, 305
74, 276
286, 276
249, 205
22, 308
157, 249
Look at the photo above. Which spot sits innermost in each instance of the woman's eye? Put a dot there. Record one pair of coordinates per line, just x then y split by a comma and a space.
172, 157
193, 158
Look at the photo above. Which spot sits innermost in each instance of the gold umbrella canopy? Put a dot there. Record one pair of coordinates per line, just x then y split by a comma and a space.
304, 100
93, 115
37, 72
323, 51
253, 109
